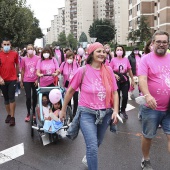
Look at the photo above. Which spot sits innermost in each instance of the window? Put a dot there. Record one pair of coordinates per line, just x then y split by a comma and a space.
130, 23
138, 7
130, 12
155, 17
138, 20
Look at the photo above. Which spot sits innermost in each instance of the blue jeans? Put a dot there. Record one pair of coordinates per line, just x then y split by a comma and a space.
93, 135
151, 120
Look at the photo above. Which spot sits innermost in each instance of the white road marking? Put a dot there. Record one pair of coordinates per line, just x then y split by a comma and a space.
11, 153
129, 107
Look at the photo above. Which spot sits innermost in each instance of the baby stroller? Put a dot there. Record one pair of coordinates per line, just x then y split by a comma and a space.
37, 122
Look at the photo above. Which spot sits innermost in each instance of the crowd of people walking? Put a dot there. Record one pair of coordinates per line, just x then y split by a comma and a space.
97, 81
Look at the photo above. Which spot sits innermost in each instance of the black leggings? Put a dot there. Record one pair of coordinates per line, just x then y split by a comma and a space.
28, 86
124, 87
8, 91
75, 102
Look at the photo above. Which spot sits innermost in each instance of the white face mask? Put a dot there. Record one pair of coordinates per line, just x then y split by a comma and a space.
46, 55
40, 51
69, 61
30, 52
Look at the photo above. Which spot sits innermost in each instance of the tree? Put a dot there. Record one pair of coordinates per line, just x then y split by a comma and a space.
103, 30
133, 35
145, 31
72, 42
62, 40
17, 22
54, 43
83, 37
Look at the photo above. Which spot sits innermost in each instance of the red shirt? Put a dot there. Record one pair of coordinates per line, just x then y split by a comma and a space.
8, 62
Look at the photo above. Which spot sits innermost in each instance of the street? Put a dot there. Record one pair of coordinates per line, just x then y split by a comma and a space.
120, 151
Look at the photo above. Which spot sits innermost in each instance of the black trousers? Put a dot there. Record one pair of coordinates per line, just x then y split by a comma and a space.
30, 88
75, 103
8, 91
124, 88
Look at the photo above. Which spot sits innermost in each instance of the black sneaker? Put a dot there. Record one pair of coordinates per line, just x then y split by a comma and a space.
146, 165
8, 118
124, 115
12, 121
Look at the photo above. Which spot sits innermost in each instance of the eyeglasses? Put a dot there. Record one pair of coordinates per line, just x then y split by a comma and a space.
161, 42
6, 44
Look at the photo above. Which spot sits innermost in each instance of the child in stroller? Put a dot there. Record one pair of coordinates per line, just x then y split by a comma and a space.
51, 115
50, 102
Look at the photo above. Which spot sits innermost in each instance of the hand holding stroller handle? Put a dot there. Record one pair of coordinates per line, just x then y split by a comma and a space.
47, 75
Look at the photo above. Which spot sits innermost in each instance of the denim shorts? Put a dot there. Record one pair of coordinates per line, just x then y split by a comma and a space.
151, 120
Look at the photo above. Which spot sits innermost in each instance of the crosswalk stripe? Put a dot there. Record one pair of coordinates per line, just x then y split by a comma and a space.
11, 153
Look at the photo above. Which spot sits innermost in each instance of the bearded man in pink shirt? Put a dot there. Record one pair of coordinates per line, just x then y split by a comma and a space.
154, 82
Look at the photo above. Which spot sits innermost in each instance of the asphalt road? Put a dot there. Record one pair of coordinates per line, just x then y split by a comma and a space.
118, 152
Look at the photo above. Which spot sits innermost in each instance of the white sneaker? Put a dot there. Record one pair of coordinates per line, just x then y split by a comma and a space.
16, 94
84, 161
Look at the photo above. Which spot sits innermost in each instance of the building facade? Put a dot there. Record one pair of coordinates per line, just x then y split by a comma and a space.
157, 13
121, 21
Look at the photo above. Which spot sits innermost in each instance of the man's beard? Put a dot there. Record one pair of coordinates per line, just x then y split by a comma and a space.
160, 51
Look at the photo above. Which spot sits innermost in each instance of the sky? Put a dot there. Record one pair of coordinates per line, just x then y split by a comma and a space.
44, 10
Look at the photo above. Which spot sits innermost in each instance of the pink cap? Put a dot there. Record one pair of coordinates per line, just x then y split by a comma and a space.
93, 47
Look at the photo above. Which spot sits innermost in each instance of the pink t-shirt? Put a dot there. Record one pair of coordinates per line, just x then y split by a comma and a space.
77, 58
138, 59
93, 93
157, 70
47, 67
116, 62
29, 66
68, 70
107, 62
58, 53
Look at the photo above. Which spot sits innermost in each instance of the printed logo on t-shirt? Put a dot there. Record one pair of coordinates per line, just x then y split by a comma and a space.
164, 75
99, 93
31, 67
122, 68
47, 68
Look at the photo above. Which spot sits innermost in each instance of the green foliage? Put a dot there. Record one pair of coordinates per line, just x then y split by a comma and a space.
142, 34
72, 42
83, 37
103, 30
133, 35
54, 43
145, 31
18, 23
62, 40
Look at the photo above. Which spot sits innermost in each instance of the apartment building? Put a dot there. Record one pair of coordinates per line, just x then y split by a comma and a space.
71, 17
57, 26
121, 21
156, 11
80, 14
77, 16
84, 17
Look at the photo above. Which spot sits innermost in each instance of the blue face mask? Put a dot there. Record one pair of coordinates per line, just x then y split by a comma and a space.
6, 48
